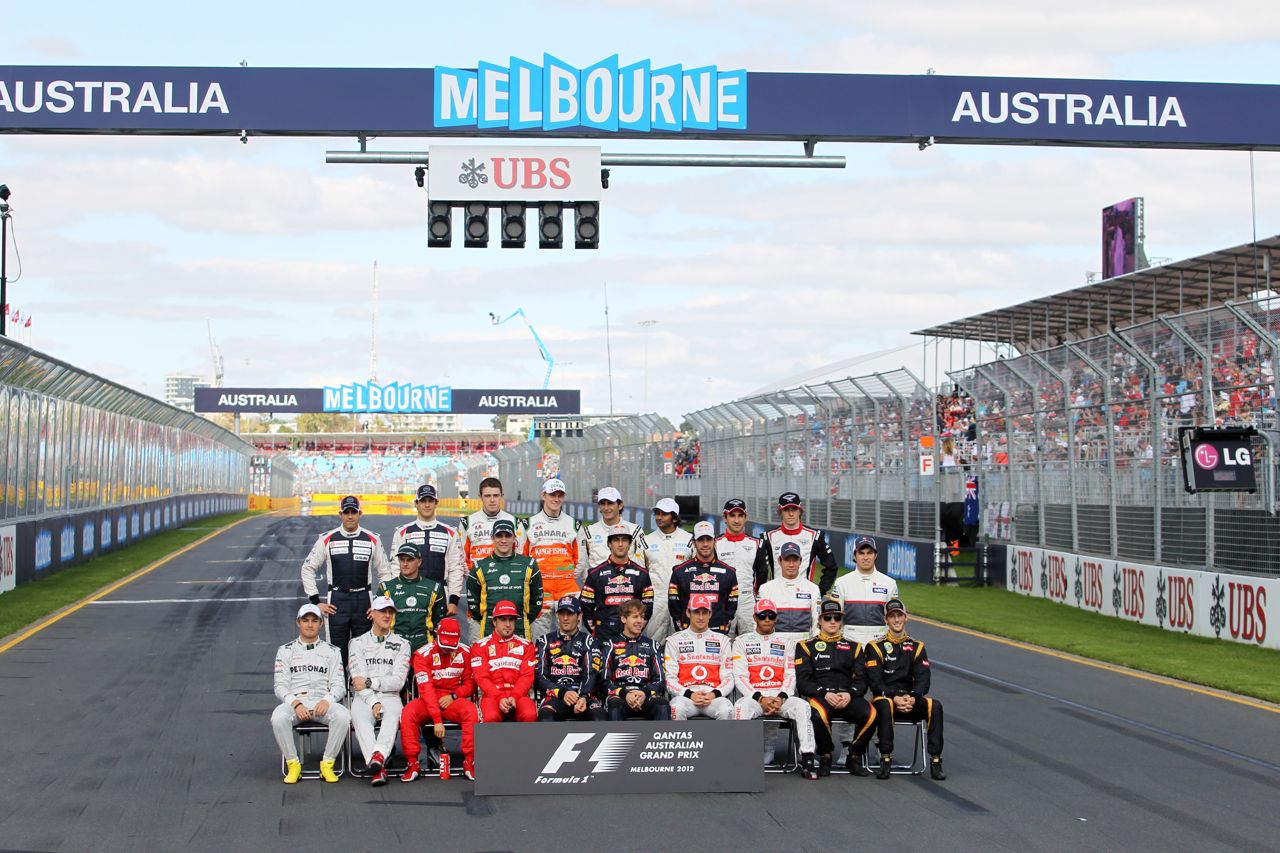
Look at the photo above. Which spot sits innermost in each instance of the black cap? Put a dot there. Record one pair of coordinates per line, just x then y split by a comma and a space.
733, 504
789, 549
349, 502
409, 549
787, 499
504, 525
830, 605
894, 604
426, 492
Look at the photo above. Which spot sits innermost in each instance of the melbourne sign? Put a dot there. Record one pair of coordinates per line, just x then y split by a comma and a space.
554, 95
617, 99
464, 173
687, 756
390, 398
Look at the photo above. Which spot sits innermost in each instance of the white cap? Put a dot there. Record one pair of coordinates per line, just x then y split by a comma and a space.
382, 602
668, 505
310, 608
555, 484
703, 528
609, 493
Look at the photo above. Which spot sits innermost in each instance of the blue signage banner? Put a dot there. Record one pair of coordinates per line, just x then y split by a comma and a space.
390, 398
635, 99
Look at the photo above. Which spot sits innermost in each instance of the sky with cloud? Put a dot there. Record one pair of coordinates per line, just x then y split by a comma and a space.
129, 245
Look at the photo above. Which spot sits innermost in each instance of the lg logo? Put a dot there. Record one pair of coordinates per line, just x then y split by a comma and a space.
613, 748
1208, 456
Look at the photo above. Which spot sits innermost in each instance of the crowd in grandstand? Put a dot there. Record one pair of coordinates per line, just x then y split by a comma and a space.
687, 455
596, 622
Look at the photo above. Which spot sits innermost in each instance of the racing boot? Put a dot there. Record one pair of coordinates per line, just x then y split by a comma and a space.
824, 765
809, 766
293, 772
379, 778
935, 768
376, 762
469, 770
326, 771
411, 772
853, 762
885, 768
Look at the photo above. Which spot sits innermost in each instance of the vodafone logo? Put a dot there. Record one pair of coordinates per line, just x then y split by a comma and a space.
1206, 456
699, 673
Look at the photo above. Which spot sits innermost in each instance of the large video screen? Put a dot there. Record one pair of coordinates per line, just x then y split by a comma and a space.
1122, 233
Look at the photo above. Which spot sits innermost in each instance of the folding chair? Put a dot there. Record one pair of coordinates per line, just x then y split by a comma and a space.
791, 762
919, 761
302, 733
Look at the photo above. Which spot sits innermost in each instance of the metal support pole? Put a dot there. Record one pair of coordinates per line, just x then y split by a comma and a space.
769, 161
4, 271
1157, 440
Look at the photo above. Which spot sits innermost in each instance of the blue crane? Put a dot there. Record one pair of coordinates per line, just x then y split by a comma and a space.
542, 348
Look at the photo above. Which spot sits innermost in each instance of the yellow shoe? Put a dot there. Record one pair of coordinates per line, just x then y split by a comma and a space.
293, 772
326, 771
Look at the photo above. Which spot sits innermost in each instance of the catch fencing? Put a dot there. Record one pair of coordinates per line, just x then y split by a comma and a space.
1072, 448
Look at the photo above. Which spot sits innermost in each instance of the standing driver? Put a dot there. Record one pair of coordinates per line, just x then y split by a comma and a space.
439, 544
815, 550
354, 563
898, 672
310, 686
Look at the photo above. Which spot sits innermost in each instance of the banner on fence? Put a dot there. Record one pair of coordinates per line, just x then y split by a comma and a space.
1207, 604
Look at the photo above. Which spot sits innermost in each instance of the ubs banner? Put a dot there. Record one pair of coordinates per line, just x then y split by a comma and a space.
634, 757
1208, 604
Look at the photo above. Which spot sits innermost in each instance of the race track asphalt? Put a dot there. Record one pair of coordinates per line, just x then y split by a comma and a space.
140, 723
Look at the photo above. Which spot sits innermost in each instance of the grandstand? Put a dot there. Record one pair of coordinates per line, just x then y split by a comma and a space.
390, 463
1072, 434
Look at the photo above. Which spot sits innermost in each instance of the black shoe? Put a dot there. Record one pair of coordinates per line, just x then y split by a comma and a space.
853, 762
809, 766
824, 765
885, 768
935, 768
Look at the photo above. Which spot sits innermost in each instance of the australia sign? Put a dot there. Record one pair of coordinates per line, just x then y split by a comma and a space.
391, 398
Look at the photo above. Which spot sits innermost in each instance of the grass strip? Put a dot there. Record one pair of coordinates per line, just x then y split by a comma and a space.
1236, 667
36, 600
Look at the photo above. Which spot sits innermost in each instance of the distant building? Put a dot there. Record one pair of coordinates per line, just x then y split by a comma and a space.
519, 424
180, 389
426, 423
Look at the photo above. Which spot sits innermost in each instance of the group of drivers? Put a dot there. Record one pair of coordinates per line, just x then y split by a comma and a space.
665, 625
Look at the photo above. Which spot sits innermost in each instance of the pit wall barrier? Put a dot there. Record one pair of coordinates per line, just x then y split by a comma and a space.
32, 550
1203, 603
380, 504
902, 559
262, 502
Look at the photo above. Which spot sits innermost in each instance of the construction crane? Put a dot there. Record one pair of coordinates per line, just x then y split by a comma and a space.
542, 348
217, 357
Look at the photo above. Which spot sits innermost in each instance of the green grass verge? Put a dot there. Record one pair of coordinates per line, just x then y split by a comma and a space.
33, 601
1247, 670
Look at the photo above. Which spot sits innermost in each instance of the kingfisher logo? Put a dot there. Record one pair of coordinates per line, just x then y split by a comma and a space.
605, 96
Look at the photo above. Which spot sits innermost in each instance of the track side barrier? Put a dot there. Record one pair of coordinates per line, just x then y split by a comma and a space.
1204, 603
31, 550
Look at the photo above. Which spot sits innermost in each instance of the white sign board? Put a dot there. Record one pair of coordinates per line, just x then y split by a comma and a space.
926, 465
8, 558
1207, 604
503, 173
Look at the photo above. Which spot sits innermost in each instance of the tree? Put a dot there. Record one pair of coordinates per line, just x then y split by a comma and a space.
326, 422
500, 423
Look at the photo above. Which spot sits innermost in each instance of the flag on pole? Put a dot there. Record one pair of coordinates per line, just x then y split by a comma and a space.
27, 325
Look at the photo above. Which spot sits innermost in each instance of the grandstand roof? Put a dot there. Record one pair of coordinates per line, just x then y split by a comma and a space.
1199, 282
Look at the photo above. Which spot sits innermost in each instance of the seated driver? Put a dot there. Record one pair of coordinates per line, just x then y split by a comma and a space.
898, 672
699, 667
